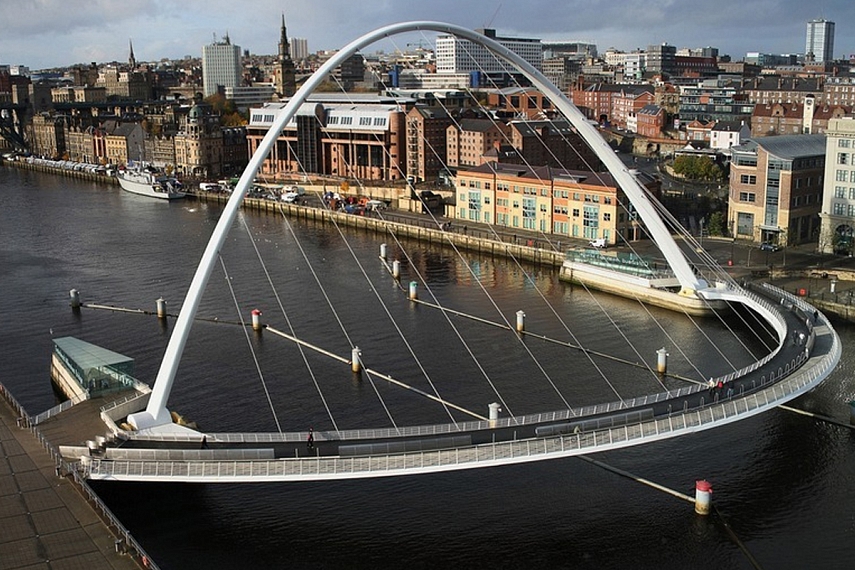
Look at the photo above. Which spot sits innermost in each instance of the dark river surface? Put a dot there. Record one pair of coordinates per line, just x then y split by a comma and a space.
783, 481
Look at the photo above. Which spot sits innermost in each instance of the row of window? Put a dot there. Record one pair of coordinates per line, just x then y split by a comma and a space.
529, 210
528, 190
842, 191
843, 175
363, 121
841, 209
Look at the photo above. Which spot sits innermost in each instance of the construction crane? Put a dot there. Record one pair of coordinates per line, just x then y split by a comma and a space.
493, 17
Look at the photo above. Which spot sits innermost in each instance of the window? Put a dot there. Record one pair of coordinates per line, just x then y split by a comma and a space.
748, 179
838, 209
852, 176
607, 217
841, 176
745, 224
575, 212
747, 196
842, 158
843, 143
839, 192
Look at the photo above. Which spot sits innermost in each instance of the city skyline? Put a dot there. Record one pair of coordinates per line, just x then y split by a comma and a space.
100, 30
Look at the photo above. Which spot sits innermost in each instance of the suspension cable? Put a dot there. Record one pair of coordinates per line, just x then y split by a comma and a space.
249, 343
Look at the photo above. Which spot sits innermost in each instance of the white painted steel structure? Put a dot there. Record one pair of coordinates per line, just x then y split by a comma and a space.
156, 414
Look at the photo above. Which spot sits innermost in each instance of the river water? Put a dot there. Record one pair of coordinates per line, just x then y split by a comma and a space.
781, 480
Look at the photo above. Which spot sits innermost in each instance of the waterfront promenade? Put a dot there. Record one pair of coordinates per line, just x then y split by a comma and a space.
46, 522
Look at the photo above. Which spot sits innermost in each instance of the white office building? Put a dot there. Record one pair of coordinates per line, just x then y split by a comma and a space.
837, 217
254, 96
820, 40
220, 66
456, 55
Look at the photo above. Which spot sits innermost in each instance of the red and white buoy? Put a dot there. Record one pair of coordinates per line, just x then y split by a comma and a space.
256, 320
703, 493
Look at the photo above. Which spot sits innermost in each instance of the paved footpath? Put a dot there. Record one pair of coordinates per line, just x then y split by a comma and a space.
44, 520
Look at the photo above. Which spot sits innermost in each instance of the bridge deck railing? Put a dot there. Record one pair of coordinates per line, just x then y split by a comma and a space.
519, 450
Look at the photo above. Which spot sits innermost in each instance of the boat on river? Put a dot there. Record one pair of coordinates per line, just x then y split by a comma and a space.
145, 181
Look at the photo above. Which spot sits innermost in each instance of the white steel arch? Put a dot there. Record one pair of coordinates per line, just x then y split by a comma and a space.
156, 413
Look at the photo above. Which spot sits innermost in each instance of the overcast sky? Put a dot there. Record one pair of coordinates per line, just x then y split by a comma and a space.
52, 33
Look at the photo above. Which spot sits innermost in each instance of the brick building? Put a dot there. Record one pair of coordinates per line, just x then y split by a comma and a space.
776, 187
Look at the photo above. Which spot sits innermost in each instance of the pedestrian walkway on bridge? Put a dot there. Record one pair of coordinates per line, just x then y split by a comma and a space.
46, 522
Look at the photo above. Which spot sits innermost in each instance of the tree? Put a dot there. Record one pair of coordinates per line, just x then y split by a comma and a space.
715, 226
698, 168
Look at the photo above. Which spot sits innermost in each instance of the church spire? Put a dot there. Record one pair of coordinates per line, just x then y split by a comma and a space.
284, 46
132, 61
285, 76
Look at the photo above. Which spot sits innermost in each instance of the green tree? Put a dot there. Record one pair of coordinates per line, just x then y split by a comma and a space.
698, 168
716, 224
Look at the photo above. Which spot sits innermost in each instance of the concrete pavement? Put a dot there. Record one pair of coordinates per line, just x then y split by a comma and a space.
44, 520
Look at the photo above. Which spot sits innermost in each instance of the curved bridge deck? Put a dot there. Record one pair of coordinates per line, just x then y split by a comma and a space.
789, 371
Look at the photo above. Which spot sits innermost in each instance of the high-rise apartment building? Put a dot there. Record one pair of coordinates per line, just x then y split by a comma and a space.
819, 43
299, 49
220, 66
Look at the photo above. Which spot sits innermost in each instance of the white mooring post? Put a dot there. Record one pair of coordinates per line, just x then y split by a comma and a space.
495, 408
662, 360
414, 290
382, 251
520, 321
396, 269
356, 360
256, 320
703, 492
75, 298
161, 308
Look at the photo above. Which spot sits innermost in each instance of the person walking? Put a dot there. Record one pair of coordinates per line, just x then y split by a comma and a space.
310, 441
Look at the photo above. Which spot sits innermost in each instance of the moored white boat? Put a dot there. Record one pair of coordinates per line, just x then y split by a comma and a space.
143, 181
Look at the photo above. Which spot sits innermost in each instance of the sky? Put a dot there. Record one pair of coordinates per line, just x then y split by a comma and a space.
42, 34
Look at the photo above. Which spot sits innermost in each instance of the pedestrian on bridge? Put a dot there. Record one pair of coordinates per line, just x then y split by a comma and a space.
310, 441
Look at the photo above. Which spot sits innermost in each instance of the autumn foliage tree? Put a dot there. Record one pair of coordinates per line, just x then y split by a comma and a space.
229, 115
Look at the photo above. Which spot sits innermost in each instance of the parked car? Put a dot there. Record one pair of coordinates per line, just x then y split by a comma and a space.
767, 246
290, 197
598, 243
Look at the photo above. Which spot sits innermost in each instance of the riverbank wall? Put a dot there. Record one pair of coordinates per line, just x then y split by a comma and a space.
78, 174
459, 237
